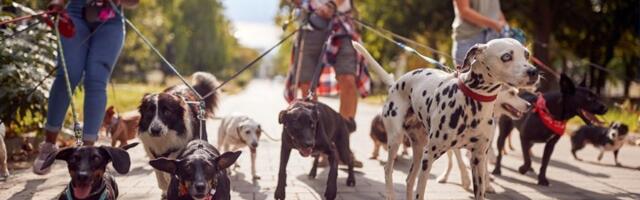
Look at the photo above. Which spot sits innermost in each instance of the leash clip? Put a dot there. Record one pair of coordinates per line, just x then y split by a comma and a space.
77, 130
201, 111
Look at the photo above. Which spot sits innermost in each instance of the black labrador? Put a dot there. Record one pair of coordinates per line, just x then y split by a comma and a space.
313, 128
561, 106
199, 172
87, 167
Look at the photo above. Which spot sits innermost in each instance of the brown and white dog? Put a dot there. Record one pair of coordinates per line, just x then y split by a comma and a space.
169, 120
121, 127
379, 136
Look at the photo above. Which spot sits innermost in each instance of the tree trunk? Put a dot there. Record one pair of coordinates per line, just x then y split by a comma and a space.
541, 15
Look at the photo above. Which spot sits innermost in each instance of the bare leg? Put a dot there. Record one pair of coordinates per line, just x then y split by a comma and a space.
348, 95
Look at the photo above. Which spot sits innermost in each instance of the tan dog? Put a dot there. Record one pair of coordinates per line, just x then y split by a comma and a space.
121, 127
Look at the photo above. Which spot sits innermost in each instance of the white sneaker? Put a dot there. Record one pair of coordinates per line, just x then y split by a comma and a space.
46, 149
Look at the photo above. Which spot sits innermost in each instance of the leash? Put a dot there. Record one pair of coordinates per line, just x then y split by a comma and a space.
25, 17
76, 124
406, 47
271, 137
250, 64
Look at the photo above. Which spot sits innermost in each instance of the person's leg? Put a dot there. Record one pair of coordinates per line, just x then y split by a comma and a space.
106, 44
348, 95
75, 52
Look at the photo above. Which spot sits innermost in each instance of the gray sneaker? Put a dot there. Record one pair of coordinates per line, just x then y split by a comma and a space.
46, 149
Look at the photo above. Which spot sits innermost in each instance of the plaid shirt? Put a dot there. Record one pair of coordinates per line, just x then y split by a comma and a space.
327, 84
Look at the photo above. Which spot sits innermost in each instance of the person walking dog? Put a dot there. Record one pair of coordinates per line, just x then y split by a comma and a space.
330, 26
90, 55
475, 22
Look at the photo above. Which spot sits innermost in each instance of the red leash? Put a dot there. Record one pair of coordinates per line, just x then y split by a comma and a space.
66, 27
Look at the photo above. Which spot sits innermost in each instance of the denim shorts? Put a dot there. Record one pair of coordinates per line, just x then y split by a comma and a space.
461, 46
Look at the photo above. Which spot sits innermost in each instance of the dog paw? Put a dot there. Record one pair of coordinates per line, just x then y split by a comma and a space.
330, 195
524, 169
442, 179
543, 182
490, 189
578, 159
373, 158
256, 177
497, 172
618, 164
312, 175
351, 181
279, 195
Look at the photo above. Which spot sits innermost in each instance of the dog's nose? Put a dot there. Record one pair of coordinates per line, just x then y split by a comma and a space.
200, 187
532, 72
155, 130
254, 144
82, 176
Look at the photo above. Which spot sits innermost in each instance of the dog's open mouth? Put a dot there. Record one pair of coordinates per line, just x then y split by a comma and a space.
588, 116
305, 152
82, 191
513, 111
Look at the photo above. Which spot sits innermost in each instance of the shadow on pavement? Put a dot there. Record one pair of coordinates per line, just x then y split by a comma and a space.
559, 190
27, 192
238, 181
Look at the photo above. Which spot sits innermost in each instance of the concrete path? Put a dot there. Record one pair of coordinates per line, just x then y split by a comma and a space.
263, 100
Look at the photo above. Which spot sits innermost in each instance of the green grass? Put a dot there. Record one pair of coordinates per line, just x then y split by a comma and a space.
125, 98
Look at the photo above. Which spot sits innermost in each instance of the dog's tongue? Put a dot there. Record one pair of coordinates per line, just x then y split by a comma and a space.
81, 192
591, 118
305, 152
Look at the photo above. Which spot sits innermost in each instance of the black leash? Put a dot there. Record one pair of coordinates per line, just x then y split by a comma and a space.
250, 64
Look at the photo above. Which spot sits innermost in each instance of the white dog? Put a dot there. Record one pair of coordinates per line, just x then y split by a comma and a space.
238, 131
457, 110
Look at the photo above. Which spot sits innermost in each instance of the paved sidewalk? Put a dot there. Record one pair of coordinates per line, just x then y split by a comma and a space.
262, 100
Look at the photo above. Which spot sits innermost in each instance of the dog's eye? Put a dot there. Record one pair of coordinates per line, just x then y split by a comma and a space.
247, 132
167, 112
506, 57
95, 158
526, 55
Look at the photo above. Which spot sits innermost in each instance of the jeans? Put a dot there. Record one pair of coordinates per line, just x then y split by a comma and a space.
460, 47
92, 55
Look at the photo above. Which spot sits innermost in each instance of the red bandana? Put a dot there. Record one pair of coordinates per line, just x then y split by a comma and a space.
556, 126
184, 191
470, 93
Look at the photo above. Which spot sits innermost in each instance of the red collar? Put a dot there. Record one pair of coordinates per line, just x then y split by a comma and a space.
556, 126
470, 93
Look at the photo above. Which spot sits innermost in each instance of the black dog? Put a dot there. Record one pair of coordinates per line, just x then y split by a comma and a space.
314, 128
87, 167
605, 138
198, 172
556, 108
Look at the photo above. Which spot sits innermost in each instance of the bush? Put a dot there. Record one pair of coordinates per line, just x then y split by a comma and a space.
27, 59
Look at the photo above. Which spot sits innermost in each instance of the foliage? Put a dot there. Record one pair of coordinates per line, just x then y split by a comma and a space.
26, 59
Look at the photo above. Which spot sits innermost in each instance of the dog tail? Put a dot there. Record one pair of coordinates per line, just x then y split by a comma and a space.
205, 83
376, 67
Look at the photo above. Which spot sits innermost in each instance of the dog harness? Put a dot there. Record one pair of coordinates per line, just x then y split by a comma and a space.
103, 196
470, 93
556, 126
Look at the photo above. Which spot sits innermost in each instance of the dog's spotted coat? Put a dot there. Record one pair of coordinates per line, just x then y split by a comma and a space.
452, 119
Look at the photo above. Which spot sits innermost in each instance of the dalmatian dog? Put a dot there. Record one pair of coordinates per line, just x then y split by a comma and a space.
507, 104
237, 131
456, 110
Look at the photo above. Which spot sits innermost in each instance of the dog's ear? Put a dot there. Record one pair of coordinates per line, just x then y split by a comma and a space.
259, 131
471, 55
566, 85
110, 111
62, 154
166, 165
282, 116
119, 158
227, 159
129, 146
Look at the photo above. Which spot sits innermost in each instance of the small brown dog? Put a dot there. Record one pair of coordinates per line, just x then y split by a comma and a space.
379, 136
121, 127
